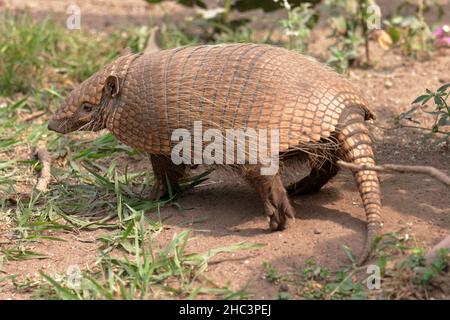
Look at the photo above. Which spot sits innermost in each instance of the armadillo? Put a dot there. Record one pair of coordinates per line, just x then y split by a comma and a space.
143, 98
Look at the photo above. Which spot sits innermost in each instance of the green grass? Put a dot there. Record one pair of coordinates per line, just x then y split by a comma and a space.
38, 55
24, 46
143, 272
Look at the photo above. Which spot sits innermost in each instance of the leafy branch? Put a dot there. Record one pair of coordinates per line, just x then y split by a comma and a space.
440, 112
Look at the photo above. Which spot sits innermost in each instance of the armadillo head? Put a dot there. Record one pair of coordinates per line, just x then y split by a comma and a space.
90, 104
85, 107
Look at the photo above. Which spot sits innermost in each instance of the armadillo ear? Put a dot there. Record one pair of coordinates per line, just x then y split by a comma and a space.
112, 85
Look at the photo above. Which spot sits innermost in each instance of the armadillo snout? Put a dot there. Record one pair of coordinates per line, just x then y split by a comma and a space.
55, 125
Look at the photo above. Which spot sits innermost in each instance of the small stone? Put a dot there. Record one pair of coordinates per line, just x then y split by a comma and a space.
388, 84
317, 231
284, 287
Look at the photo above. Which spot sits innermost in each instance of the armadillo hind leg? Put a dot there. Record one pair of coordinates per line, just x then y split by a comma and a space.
320, 174
166, 174
273, 194
356, 147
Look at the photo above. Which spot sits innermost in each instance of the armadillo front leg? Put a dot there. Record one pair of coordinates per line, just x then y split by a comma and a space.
356, 147
165, 172
273, 194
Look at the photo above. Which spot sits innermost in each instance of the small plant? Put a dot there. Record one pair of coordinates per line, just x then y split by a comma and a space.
297, 27
282, 295
440, 112
343, 55
220, 22
272, 274
349, 24
317, 282
411, 33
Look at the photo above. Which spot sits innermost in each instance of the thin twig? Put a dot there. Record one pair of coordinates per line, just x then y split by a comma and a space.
44, 157
431, 171
401, 126
34, 115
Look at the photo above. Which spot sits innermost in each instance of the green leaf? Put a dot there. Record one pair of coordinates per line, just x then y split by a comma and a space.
394, 33
397, 20
438, 100
349, 253
421, 98
444, 87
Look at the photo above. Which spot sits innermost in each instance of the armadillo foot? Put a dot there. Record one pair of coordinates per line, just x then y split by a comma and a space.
278, 208
165, 173
157, 192
160, 190
273, 194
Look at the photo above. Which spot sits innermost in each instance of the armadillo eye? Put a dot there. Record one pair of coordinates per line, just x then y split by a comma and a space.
86, 107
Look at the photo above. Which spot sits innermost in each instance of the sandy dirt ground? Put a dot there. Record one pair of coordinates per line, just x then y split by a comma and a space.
232, 212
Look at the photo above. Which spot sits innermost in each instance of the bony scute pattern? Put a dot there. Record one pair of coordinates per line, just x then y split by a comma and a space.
226, 86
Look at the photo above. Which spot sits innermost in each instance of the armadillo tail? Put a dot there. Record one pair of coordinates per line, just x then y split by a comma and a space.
356, 147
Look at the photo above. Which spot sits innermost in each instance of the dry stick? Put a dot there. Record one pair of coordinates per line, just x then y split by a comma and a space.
46, 161
34, 115
431, 171
401, 126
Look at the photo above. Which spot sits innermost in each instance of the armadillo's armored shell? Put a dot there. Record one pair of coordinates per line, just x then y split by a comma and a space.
236, 86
